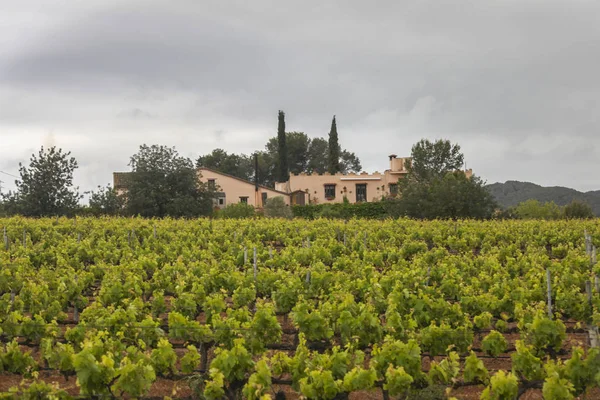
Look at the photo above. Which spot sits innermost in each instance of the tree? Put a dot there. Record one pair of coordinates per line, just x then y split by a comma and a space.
318, 153
349, 163
451, 196
232, 164
297, 144
431, 160
334, 149
303, 155
282, 166
164, 184
436, 188
46, 186
533, 209
317, 156
578, 210
106, 201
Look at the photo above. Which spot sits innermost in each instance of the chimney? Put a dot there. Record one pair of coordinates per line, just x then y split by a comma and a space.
393, 162
255, 172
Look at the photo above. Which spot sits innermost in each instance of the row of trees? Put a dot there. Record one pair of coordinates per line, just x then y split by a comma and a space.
162, 183
534, 209
288, 152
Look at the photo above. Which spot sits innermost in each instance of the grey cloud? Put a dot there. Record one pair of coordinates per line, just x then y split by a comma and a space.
501, 78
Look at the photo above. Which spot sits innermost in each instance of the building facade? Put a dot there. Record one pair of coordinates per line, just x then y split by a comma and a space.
231, 189
302, 188
356, 188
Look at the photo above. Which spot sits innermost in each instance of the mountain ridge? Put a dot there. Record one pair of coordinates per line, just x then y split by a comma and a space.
511, 193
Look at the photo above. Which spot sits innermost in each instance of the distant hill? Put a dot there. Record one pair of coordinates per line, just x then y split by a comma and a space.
511, 193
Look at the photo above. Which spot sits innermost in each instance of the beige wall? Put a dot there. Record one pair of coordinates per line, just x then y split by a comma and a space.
235, 188
377, 185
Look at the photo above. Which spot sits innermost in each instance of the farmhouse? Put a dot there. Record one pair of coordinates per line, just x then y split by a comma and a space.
302, 188
230, 189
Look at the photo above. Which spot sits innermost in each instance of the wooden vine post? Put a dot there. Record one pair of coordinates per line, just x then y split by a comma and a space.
255, 268
549, 283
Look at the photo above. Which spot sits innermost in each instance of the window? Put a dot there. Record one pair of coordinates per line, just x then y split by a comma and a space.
393, 189
211, 184
330, 191
264, 198
244, 199
221, 201
361, 192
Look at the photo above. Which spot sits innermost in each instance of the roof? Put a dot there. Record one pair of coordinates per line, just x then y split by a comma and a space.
120, 180
243, 180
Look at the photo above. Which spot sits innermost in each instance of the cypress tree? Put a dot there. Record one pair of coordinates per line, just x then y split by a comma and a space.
334, 149
283, 171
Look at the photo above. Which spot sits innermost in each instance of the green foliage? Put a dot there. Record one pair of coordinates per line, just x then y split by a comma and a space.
501, 325
232, 164
134, 378
474, 370
244, 296
366, 210
181, 328
163, 358
494, 344
397, 381
15, 361
578, 210
438, 339
106, 201
533, 209
190, 360
259, 383
311, 323
545, 334
446, 371
276, 208
237, 210
453, 195
94, 376
432, 160
397, 354
359, 379
234, 364
333, 158
263, 329
304, 154
320, 384
503, 386
164, 184
35, 390
283, 172
525, 364
215, 387
483, 321
45, 187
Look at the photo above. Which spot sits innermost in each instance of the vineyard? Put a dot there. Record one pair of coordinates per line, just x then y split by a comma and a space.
266, 308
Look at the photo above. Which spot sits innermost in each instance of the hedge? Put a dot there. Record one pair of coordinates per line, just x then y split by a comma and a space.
374, 210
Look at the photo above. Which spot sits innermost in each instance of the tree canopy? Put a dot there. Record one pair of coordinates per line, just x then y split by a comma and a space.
334, 149
162, 183
106, 201
46, 186
431, 160
283, 172
435, 187
304, 155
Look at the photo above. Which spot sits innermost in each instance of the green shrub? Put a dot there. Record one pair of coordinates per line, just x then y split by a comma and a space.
238, 210
578, 210
276, 208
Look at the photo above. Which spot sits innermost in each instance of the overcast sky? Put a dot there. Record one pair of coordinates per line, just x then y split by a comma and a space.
515, 83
